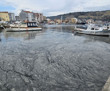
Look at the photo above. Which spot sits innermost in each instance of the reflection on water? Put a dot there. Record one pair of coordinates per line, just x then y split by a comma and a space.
90, 38
70, 29
62, 28
53, 60
28, 35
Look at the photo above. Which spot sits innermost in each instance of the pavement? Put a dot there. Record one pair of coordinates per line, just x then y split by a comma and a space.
107, 85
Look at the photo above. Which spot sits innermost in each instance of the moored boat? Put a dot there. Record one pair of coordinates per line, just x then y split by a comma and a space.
94, 30
28, 26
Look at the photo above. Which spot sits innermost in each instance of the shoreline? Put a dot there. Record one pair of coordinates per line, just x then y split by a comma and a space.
107, 85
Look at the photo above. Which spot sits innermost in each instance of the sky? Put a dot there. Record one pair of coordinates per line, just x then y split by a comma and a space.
54, 7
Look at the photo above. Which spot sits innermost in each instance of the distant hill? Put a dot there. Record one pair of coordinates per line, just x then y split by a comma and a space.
96, 15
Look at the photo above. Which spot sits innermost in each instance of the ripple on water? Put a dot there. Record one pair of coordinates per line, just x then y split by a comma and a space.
53, 60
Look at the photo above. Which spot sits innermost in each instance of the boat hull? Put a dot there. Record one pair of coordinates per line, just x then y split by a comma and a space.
94, 33
1, 28
22, 29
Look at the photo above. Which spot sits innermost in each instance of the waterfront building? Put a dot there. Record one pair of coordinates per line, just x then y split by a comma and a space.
26, 16
4, 16
31, 16
36, 17
39, 17
48, 20
44, 18
99, 22
89, 21
17, 18
59, 21
12, 17
66, 21
73, 20
81, 21
51, 22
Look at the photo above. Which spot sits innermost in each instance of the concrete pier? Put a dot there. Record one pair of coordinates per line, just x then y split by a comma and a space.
107, 85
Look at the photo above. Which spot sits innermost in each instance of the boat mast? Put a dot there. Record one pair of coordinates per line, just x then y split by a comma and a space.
61, 19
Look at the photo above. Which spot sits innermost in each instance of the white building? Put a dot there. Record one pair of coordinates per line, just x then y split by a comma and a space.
12, 16
26, 16
38, 17
17, 18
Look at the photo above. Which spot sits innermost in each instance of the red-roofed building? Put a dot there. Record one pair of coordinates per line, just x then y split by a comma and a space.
26, 15
31, 16
28, 12
39, 17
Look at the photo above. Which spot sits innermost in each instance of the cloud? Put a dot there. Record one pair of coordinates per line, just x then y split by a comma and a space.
55, 7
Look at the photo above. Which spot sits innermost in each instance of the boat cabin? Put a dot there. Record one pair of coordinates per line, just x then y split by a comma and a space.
32, 24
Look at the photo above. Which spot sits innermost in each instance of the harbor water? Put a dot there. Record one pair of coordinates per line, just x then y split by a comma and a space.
54, 59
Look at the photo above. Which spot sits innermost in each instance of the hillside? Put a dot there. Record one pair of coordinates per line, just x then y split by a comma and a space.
96, 15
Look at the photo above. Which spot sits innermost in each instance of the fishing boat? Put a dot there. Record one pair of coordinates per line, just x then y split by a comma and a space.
94, 30
19, 27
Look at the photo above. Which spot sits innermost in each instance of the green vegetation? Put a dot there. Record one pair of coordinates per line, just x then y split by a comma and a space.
96, 15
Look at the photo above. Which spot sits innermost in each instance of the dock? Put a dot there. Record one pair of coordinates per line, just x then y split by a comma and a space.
107, 85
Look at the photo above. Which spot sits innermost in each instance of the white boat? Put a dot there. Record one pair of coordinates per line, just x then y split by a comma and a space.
94, 30
29, 26
22, 29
